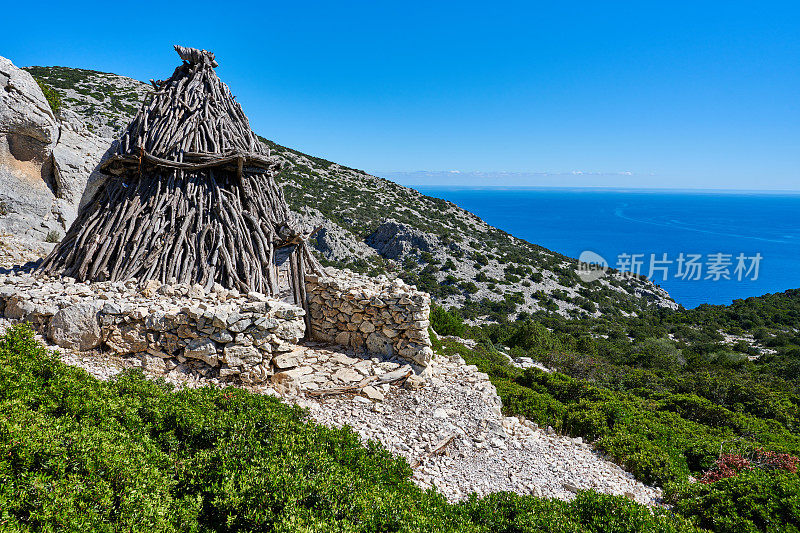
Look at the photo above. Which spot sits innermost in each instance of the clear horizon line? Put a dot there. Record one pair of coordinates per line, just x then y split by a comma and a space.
605, 187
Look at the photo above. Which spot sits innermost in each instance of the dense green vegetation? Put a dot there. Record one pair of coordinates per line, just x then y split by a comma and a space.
77, 454
752, 501
52, 97
664, 395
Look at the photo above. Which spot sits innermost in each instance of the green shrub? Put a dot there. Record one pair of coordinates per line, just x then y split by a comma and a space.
130, 454
658, 353
445, 322
531, 336
480, 259
427, 257
537, 407
50, 94
752, 501
468, 287
589, 512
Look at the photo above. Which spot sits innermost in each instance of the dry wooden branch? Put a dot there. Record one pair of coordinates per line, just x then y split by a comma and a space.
398, 376
334, 391
437, 450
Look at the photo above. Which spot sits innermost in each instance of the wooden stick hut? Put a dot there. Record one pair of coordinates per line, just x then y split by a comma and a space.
190, 197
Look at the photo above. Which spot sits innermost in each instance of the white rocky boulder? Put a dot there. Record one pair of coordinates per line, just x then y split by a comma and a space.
77, 327
24, 111
45, 160
28, 133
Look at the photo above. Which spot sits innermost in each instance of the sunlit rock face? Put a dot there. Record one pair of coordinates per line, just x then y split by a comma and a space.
45, 159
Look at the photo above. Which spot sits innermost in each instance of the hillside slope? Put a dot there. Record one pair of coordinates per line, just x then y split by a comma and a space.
370, 224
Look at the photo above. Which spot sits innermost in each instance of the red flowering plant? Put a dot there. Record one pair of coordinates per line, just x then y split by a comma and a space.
775, 461
726, 465
731, 463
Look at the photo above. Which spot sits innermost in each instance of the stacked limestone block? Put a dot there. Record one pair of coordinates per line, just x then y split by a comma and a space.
218, 333
381, 316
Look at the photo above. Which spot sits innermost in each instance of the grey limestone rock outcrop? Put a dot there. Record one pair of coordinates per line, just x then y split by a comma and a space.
28, 133
24, 111
76, 157
394, 240
45, 160
334, 242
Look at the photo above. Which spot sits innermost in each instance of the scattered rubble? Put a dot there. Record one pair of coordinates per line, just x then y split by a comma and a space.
453, 432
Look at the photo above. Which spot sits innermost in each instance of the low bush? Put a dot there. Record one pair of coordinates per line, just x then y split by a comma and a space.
752, 501
589, 512
445, 322
130, 454
50, 94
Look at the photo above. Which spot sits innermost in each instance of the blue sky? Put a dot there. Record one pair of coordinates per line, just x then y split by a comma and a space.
696, 94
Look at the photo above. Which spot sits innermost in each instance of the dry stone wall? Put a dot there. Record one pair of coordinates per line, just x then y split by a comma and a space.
219, 333
381, 316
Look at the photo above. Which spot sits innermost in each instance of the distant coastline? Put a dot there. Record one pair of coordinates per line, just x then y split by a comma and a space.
632, 190
619, 221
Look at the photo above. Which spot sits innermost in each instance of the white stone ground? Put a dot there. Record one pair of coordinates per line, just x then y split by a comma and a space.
487, 452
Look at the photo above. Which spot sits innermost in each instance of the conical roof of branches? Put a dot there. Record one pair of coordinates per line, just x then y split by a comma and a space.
191, 195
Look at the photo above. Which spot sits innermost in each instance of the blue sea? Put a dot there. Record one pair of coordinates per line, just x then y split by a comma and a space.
754, 236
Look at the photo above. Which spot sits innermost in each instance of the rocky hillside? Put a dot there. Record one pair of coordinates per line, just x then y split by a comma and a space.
106, 102
373, 225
